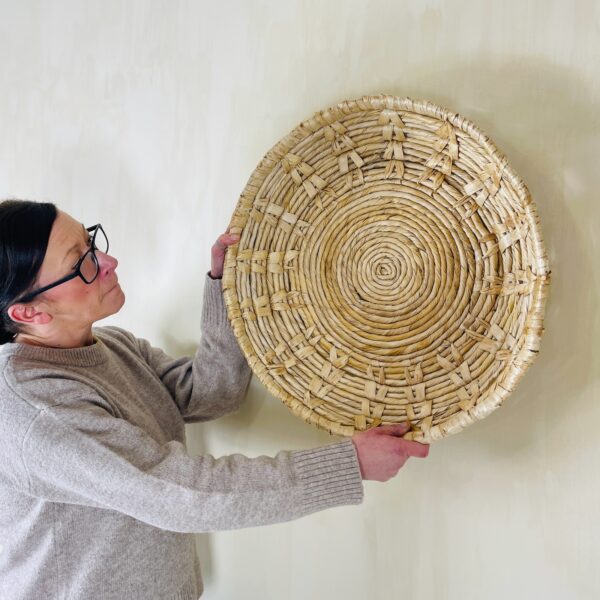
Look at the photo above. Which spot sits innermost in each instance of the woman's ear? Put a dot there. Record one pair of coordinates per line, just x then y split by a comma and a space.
28, 314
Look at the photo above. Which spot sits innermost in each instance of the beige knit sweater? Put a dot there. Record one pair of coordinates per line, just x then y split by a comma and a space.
99, 498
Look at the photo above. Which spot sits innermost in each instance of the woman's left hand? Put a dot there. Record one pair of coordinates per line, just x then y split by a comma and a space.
218, 253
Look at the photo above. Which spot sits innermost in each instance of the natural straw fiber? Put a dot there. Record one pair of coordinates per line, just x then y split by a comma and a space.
390, 268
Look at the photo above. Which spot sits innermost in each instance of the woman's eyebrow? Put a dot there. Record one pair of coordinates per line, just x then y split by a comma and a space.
75, 246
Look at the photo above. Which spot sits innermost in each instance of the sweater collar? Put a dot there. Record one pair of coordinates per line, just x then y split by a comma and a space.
86, 356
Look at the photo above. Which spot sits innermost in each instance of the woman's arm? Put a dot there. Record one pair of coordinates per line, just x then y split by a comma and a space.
214, 382
79, 453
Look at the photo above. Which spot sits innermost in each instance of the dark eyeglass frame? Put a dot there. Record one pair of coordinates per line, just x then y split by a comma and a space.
76, 271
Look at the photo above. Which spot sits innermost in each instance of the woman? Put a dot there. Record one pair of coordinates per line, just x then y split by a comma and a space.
98, 496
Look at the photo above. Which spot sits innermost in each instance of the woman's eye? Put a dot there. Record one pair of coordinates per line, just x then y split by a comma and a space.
89, 245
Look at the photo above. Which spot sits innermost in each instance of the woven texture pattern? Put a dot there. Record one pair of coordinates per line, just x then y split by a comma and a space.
390, 268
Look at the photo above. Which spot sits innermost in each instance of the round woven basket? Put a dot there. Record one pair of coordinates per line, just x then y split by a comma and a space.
390, 268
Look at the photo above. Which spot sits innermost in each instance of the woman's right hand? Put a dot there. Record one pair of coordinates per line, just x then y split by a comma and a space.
382, 452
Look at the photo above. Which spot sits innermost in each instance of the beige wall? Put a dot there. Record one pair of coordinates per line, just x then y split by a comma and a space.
150, 116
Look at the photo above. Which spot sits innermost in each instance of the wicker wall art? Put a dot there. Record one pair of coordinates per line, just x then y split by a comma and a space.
390, 268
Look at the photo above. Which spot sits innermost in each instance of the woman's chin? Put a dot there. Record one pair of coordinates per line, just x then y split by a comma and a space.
121, 294
117, 300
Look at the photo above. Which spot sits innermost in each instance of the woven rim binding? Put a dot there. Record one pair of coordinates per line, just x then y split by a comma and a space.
390, 268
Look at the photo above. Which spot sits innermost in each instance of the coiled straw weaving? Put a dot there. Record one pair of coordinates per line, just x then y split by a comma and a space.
390, 268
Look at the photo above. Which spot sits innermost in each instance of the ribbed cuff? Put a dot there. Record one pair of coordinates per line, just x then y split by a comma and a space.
214, 312
329, 475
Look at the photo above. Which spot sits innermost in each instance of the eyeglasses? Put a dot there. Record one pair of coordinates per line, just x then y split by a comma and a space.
87, 266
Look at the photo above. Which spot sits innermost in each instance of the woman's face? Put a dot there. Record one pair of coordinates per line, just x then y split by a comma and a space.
75, 303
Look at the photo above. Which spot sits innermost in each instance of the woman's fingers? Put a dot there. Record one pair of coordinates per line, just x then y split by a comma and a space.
407, 447
218, 252
399, 429
226, 239
416, 449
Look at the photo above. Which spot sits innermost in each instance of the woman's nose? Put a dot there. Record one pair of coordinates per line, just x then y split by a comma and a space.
107, 263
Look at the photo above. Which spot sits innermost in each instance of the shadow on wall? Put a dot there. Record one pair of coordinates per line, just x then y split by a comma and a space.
533, 111
542, 117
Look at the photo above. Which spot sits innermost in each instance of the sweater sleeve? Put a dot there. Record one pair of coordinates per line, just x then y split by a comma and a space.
214, 382
81, 454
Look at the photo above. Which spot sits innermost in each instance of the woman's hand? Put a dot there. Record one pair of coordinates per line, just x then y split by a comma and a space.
218, 253
382, 452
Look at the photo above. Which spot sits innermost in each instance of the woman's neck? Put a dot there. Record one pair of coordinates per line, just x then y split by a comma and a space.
64, 341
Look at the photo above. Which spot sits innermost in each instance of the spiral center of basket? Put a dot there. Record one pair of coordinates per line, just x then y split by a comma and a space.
383, 272
386, 269
384, 266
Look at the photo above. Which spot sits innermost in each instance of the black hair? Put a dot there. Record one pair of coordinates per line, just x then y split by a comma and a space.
24, 233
